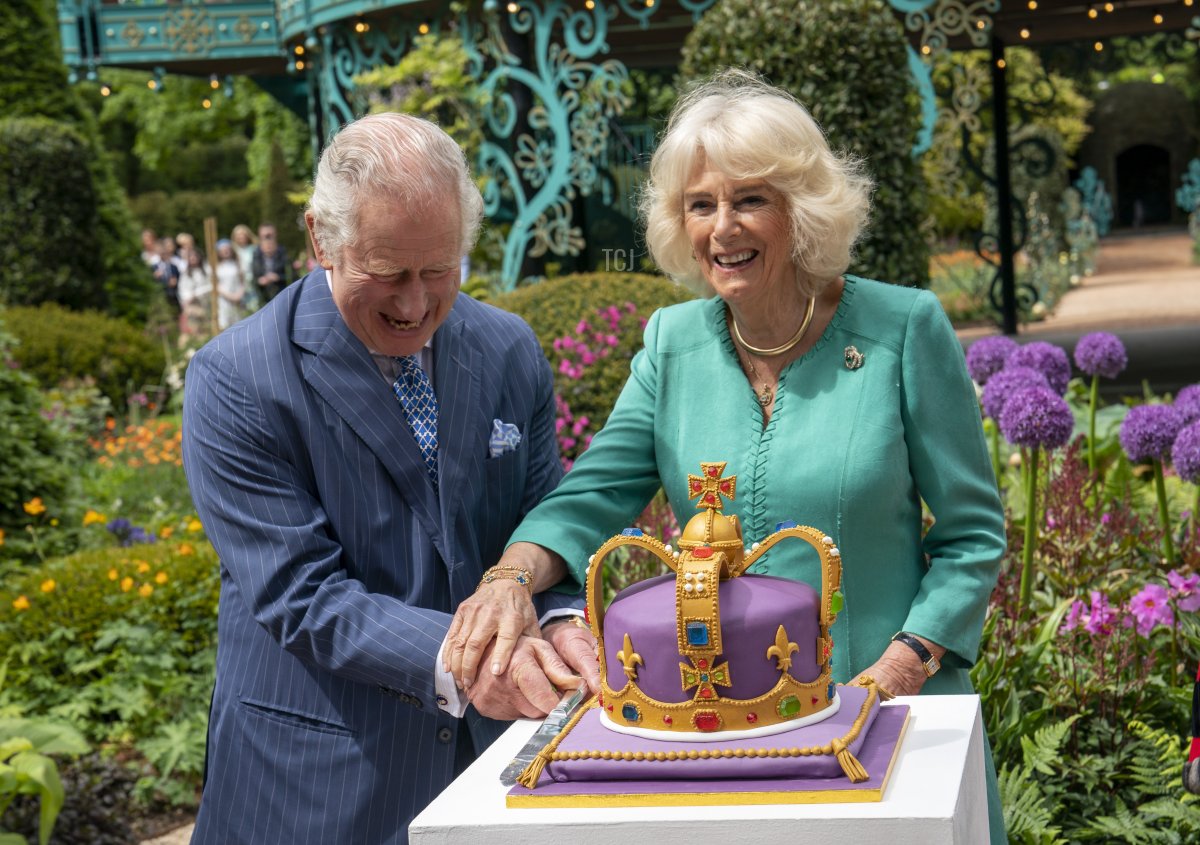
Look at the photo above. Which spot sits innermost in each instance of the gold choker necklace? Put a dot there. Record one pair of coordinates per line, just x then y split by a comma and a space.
778, 350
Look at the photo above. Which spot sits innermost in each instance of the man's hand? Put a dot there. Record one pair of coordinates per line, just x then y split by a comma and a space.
577, 647
531, 687
502, 610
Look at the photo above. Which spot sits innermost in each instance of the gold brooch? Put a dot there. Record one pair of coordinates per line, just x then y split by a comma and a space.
854, 358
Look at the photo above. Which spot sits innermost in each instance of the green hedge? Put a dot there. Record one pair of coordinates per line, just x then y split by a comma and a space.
55, 345
555, 309
48, 216
862, 97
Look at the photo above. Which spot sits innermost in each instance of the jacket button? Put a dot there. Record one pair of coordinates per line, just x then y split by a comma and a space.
444, 735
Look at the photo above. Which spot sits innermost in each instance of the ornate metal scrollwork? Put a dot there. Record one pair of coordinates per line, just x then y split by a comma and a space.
343, 55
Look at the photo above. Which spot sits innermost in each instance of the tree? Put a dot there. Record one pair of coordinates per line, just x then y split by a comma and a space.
862, 97
33, 84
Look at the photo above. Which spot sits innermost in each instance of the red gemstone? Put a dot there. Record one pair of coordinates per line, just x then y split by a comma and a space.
752, 718
707, 721
713, 472
702, 663
815, 700
703, 552
610, 707
705, 692
587, 616
710, 499
600, 698
724, 486
667, 720
696, 486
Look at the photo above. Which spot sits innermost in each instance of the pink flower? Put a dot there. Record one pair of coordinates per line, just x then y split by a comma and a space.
1105, 519
1184, 591
611, 339
581, 327
1075, 617
1150, 608
584, 421
564, 366
1101, 619
559, 425
588, 358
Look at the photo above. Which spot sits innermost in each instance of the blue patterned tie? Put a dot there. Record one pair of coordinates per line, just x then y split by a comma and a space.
416, 395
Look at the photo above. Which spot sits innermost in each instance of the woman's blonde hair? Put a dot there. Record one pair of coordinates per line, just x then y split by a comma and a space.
748, 129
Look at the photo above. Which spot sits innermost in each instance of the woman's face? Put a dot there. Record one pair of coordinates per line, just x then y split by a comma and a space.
739, 232
241, 237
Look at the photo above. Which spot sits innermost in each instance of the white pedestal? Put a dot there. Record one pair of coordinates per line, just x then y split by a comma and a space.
936, 796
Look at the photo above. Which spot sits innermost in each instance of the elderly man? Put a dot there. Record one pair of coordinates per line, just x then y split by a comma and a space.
359, 452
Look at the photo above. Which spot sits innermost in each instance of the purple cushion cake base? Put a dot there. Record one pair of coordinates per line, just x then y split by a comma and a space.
591, 735
877, 755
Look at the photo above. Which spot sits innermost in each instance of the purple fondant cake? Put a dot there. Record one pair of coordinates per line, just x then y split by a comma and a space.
710, 674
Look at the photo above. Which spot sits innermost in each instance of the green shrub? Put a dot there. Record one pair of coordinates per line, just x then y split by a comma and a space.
120, 642
583, 314
277, 206
48, 217
863, 98
184, 211
56, 346
97, 808
34, 85
38, 469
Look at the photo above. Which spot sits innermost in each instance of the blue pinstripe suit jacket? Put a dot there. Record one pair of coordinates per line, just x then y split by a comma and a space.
340, 566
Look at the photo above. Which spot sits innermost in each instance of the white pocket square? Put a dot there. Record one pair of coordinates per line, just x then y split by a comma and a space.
505, 438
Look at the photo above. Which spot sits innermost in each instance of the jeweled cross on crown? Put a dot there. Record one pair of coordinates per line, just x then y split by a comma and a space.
710, 486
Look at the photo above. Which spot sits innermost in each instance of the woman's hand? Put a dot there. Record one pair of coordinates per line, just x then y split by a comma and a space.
898, 670
576, 645
502, 609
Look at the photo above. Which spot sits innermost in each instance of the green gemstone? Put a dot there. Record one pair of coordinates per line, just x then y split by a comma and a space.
837, 602
788, 706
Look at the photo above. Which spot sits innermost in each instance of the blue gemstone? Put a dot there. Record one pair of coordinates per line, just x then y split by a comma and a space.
787, 523
697, 633
632, 532
631, 714
829, 692
704, 678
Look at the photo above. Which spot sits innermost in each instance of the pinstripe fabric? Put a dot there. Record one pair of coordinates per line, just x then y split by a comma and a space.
340, 566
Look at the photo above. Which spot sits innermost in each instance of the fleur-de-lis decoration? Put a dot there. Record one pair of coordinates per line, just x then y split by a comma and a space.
782, 650
854, 358
629, 658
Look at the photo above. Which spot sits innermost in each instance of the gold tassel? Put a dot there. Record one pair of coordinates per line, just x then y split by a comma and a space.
533, 772
849, 762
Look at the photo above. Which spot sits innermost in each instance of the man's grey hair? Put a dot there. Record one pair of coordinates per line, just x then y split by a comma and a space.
395, 158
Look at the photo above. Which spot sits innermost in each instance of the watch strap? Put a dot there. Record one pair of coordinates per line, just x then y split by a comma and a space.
928, 661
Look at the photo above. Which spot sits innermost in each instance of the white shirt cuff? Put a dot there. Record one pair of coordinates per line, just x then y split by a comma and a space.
452, 700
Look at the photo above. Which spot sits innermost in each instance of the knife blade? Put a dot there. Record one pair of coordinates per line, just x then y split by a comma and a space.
551, 725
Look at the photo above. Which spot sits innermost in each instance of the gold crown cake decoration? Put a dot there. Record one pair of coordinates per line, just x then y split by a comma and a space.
712, 550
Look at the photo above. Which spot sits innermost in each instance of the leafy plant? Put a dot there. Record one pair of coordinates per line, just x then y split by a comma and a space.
26, 769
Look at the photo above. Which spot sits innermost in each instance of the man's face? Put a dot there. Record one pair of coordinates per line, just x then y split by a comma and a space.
397, 282
266, 238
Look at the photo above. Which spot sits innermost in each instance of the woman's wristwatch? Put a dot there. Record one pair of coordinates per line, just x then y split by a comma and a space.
928, 662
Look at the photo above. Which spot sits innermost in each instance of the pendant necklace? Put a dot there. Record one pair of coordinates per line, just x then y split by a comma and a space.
764, 394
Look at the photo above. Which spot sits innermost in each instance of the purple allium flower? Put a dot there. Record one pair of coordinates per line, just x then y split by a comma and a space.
1185, 591
1187, 403
1036, 416
1185, 453
120, 527
1100, 353
1148, 431
1007, 382
1151, 607
987, 356
1047, 359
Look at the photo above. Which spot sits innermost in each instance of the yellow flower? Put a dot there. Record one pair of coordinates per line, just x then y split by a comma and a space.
92, 518
1, 536
166, 531
142, 567
185, 549
161, 577
194, 525
145, 590
21, 603
113, 575
34, 506
48, 585
126, 584
54, 521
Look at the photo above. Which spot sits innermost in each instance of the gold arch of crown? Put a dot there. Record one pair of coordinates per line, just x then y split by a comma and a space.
699, 565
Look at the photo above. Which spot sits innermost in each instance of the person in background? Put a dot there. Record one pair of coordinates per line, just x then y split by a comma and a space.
195, 294
244, 243
166, 274
183, 243
149, 247
271, 267
231, 287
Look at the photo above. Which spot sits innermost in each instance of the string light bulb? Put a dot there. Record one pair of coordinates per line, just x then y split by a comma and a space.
513, 8
926, 49
105, 90
1108, 7
361, 26
423, 29
151, 84
649, 4
1092, 13
980, 24
1158, 18
299, 64
1099, 45
589, 4
207, 103
1000, 63
1032, 5
213, 82
1025, 34
299, 49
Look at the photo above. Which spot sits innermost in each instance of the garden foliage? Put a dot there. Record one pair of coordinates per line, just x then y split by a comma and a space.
33, 84
58, 347
863, 98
